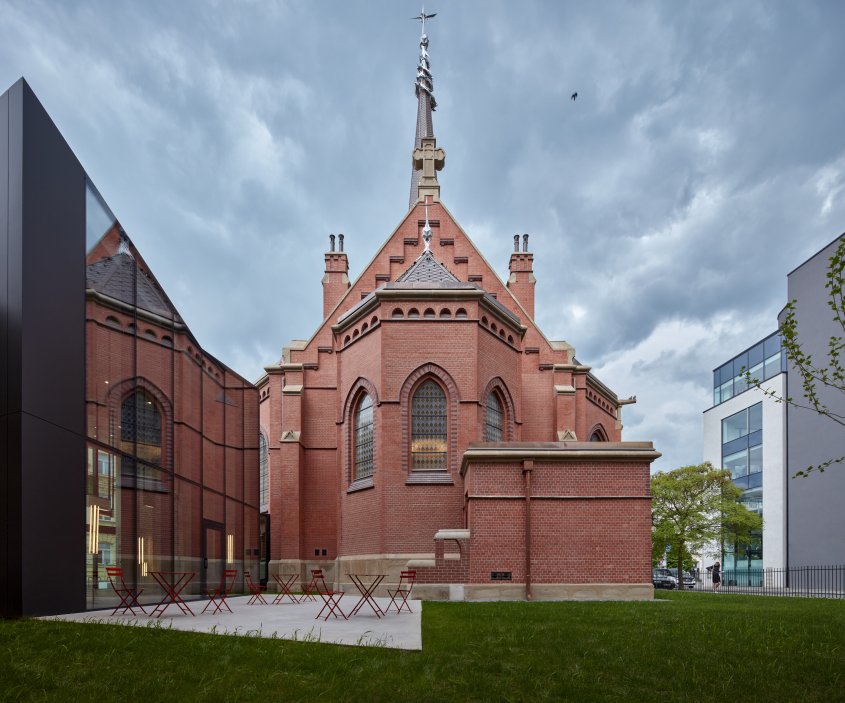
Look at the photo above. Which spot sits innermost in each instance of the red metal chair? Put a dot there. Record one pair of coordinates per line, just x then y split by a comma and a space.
311, 588
255, 589
218, 596
399, 595
331, 598
286, 582
128, 596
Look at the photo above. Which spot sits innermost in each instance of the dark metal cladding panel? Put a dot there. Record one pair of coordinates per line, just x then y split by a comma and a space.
52, 339
54, 270
4, 253
10, 504
53, 544
10, 574
44, 364
14, 276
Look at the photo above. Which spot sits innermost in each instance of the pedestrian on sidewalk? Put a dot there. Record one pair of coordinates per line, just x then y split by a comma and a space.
717, 576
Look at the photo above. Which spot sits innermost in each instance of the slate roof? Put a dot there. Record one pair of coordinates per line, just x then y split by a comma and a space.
120, 278
427, 269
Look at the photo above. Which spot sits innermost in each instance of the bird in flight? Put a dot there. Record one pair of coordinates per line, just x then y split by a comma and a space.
574, 95
422, 16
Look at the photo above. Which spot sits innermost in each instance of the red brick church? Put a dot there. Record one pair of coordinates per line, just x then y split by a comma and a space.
429, 423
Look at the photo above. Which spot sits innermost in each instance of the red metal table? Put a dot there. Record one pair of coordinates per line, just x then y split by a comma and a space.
366, 585
285, 582
173, 583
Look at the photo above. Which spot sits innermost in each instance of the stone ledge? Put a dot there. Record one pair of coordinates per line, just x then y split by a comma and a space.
481, 592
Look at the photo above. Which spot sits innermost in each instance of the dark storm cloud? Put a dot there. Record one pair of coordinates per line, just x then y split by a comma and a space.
703, 160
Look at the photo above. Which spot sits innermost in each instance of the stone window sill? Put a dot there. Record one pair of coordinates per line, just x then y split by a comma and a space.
361, 484
426, 478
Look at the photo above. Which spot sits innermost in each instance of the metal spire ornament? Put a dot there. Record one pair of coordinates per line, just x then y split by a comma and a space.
426, 235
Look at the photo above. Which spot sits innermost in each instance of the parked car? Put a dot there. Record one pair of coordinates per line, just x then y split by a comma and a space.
689, 579
661, 578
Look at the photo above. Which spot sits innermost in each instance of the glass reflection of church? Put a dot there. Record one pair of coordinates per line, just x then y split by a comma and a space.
172, 444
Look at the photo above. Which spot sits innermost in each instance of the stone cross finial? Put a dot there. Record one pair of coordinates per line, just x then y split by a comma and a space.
430, 159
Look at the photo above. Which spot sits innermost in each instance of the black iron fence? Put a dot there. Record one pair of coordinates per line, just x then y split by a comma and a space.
798, 581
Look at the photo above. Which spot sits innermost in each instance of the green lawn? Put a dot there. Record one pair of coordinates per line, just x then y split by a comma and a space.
691, 647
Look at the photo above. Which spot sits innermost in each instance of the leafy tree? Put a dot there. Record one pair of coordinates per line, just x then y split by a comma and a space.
696, 505
814, 373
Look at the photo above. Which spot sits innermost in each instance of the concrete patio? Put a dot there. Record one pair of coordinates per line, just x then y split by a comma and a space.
287, 621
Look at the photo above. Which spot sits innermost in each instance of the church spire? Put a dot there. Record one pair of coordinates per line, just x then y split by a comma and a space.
423, 177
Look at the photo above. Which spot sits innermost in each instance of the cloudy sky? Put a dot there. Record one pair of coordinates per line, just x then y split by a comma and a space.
703, 160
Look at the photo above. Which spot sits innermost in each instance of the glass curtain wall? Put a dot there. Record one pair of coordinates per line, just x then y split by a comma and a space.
172, 434
742, 455
763, 361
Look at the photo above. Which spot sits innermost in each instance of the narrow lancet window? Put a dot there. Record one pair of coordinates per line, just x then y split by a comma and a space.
364, 438
493, 420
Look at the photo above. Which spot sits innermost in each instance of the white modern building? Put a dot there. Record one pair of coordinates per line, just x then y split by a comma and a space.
764, 443
745, 432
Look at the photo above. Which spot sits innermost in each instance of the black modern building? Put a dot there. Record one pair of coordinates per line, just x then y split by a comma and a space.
42, 362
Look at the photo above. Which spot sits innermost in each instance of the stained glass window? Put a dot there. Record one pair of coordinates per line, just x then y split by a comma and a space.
493, 420
428, 428
263, 471
140, 427
364, 438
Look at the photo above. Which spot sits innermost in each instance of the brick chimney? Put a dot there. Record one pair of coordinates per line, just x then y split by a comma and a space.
521, 281
336, 278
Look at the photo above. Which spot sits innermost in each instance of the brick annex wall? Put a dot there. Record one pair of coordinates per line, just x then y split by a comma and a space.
590, 520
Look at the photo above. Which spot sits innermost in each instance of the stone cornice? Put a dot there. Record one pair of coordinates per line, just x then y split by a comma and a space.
581, 368
557, 451
429, 293
355, 315
501, 317
603, 389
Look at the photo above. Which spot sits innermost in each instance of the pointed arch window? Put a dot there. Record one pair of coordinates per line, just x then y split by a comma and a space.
429, 422
364, 437
140, 427
598, 434
494, 419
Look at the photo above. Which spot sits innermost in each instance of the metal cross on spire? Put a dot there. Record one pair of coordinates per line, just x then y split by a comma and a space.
422, 17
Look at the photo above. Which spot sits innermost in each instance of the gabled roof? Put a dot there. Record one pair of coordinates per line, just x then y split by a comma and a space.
119, 277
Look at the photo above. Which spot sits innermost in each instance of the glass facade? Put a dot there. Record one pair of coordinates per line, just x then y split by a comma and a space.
172, 434
763, 361
742, 455
429, 418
